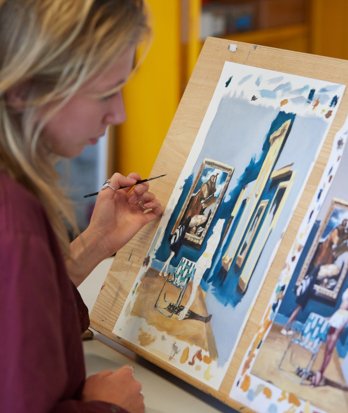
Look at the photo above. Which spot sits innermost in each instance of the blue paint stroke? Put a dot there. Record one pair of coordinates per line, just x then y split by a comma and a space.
244, 79
228, 81
284, 87
258, 81
276, 80
267, 93
300, 91
311, 95
299, 100
251, 395
329, 88
273, 408
334, 101
324, 98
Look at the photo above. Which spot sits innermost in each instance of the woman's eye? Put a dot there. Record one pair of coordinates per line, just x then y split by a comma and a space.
108, 97
105, 98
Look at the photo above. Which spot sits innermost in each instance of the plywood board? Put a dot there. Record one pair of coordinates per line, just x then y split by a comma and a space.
278, 185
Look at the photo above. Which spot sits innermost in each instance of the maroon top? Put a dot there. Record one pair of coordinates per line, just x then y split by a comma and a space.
41, 314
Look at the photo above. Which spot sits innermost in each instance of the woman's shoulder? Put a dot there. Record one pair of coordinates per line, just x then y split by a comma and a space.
19, 208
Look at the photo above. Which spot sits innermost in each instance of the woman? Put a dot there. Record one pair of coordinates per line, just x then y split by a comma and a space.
62, 66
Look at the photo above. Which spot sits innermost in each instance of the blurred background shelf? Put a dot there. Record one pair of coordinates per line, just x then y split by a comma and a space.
152, 96
179, 28
293, 37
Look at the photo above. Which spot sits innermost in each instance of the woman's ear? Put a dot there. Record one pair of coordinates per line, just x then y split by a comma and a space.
16, 97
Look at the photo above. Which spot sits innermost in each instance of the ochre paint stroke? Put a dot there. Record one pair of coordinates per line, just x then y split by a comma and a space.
283, 396
267, 392
246, 383
145, 338
185, 355
294, 399
307, 408
247, 363
207, 359
291, 409
207, 375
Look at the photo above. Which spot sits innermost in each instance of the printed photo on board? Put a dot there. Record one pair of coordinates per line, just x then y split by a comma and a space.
300, 356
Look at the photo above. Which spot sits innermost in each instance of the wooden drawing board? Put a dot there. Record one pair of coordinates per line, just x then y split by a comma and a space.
171, 159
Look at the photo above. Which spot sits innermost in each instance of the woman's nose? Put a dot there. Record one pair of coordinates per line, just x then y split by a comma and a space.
115, 114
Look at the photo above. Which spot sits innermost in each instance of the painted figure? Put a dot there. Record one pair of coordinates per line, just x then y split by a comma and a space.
338, 321
203, 263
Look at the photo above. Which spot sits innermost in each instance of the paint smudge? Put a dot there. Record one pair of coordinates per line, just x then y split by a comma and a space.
283, 396
197, 355
145, 338
185, 355
259, 389
174, 352
135, 288
251, 395
267, 392
246, 383
307, 408
228, 81
207, 374
207, 359
328, 114
293, 399
146, 261
273, 408
316, 103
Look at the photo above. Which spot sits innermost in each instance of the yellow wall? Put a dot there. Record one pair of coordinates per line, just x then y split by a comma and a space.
330, 28
152, 95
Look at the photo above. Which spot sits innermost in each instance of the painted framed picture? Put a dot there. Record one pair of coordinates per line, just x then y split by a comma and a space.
327, 259
203, 200
250, 234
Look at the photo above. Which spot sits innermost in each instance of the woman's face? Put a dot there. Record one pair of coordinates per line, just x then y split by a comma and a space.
84, 119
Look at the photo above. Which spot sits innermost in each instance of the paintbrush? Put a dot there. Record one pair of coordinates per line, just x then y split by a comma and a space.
141, 181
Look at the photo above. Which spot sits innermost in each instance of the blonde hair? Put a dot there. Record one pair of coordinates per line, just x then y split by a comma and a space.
53, 47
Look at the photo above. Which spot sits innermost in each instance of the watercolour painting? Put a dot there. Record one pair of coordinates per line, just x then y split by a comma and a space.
232, 202
299, 358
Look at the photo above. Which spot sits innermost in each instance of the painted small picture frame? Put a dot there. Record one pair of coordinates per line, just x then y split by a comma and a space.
251, 232
326, 259
203, 200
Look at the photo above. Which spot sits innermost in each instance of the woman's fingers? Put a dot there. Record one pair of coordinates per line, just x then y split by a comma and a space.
118, 181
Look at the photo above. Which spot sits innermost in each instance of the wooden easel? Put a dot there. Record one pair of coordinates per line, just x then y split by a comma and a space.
177, 146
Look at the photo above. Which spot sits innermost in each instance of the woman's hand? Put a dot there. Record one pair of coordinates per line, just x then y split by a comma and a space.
117, 387
120, 213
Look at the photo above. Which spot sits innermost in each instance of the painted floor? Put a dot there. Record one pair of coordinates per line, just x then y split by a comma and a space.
329, 397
